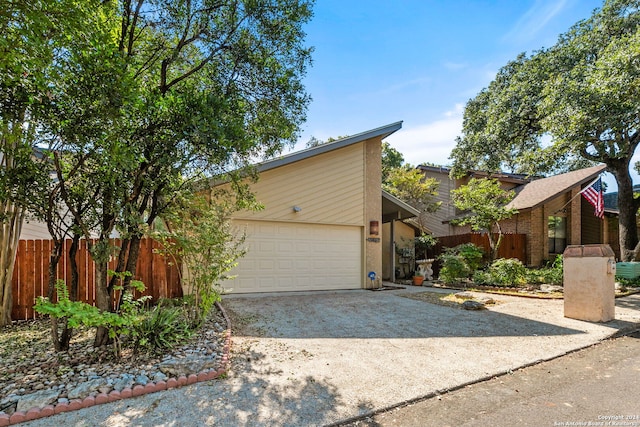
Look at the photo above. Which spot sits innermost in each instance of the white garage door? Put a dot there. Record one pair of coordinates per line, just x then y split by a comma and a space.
298, 257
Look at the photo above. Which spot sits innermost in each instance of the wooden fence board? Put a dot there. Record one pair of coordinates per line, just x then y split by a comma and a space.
512, 245
31, 275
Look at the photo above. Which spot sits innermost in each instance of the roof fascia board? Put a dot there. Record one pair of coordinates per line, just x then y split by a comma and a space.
403, 205
566, 190
383, 131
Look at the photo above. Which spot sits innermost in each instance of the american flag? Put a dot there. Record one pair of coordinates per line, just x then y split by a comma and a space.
593, 194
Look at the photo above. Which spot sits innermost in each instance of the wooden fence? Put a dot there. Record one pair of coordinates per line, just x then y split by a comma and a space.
31, 273
512, 245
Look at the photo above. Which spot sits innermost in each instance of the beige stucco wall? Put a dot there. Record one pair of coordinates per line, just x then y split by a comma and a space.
403, 237
387, 250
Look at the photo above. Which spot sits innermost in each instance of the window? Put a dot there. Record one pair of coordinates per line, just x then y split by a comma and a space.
557, 234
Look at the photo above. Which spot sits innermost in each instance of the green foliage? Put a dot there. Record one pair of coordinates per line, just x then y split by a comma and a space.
565, 107
460, 262
507, 272
628, 283
410, 185
391, 159
454, 269
485, 204
80, 313
551, 274
161, 328
201, 237
482, 277
422, 244
472, 255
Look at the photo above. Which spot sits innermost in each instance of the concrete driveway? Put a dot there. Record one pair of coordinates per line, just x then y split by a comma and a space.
319, 358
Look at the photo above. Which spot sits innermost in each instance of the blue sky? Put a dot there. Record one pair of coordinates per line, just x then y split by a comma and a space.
380, 61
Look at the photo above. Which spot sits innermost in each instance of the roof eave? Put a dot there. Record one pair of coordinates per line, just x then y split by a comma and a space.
403, 205
383, 131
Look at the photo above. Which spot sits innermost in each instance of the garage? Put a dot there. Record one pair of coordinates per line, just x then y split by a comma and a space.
318, 223
284, 256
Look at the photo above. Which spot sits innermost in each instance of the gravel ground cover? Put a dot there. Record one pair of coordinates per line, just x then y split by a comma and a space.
30, 368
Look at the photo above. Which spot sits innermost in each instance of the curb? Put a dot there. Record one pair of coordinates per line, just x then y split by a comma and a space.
138, 390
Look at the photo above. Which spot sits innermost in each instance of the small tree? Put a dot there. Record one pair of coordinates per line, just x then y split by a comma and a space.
198, 232
410, 185
486, 204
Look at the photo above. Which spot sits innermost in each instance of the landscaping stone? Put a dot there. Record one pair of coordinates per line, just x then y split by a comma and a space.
84, 389
187, 365
38, 399
464, 295
473, 305
486, 300
550, 288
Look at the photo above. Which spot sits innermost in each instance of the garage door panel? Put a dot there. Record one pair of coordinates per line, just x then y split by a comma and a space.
292, 256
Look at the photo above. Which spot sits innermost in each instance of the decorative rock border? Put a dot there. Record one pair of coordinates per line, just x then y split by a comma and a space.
138, 390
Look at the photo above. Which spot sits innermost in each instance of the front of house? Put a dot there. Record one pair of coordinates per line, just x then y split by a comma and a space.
321, 226
551, 212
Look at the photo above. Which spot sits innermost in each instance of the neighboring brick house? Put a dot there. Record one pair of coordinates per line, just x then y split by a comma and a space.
551, 212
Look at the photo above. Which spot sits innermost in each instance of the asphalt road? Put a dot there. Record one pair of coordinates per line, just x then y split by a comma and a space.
597, 386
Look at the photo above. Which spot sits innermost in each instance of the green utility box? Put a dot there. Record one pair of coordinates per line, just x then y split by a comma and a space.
628, 270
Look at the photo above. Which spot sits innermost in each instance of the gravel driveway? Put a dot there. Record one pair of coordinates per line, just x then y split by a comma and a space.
318, 358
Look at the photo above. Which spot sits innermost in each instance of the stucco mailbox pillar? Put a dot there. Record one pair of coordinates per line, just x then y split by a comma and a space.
589, 286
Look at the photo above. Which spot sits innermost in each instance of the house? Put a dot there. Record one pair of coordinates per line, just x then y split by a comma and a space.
551, 212
323, 219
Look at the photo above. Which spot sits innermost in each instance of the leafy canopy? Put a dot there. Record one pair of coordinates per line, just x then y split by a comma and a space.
565, 107
485, 204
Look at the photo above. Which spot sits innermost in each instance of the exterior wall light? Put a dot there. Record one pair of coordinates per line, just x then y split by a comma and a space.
297, 209
374, 228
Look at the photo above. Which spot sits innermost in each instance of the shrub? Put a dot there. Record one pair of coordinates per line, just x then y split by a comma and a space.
162, 328
473, 255
507, 272
628, 283
460, 262
552, 274
454, 268
481, 277
120, 324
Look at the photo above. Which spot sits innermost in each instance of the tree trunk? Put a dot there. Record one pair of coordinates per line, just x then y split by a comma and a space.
9, 238
132, 259
103, 302
64, 339
628, 208
54, 259
100, 253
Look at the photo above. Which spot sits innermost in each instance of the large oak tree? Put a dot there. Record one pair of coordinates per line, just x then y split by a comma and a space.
575, 103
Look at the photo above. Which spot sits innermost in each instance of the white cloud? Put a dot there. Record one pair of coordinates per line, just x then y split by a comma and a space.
454, 66
534, 20
430, 142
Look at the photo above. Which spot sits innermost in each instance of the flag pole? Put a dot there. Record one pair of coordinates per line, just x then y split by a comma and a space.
579, 193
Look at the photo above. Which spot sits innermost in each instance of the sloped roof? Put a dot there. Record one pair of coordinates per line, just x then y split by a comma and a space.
393, 205
296, 156
540, 191
516, 178
382, 131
